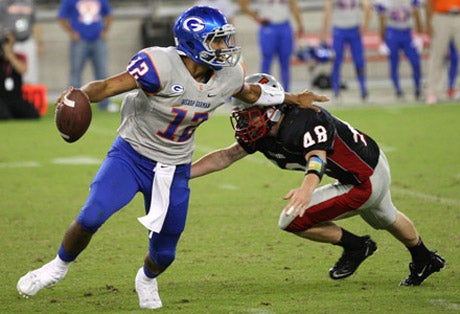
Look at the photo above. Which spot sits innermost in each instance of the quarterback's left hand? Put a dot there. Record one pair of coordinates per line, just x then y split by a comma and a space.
307, 98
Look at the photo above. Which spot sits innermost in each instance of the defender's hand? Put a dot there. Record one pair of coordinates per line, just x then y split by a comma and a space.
306, 99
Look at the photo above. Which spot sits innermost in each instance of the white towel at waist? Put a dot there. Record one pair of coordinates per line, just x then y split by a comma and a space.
159, 202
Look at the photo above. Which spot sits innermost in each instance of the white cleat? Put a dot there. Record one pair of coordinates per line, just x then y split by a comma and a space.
147, 290
34, 281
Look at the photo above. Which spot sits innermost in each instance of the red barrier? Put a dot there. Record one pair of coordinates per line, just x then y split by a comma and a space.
36, 94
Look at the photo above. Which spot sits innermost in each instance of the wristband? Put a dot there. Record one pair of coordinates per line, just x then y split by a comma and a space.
316, 166
269, 96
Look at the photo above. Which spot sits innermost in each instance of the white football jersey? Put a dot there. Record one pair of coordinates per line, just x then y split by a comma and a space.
276, 11
159, 118
398, 12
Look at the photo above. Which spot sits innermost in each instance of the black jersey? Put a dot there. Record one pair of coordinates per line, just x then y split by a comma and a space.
351, 154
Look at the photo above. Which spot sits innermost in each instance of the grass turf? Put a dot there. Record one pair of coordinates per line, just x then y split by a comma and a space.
231, 258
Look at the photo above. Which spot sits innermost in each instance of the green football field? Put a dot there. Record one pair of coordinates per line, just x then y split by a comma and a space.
232, 258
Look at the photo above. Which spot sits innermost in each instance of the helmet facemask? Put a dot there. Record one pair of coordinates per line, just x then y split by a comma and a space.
253, 123
227, 57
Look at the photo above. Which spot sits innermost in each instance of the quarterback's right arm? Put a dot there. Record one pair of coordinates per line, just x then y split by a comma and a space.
140, 72
217, 160
264, 95
114, 85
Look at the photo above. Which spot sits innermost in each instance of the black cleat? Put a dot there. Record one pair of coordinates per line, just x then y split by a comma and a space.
418, 273
350, 260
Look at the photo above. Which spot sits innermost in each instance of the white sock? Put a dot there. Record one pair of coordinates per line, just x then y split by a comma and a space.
144, 277
58, 264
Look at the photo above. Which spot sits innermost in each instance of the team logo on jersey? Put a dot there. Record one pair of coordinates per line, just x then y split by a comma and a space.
177, 89
194, 24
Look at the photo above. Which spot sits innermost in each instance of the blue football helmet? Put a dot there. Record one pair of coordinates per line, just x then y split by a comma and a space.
196, 29
321, 53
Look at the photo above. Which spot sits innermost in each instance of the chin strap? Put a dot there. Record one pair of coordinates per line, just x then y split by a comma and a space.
273, 115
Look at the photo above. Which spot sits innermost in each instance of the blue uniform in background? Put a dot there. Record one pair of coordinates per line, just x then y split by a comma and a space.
352, 37
453, 70
276, 34
346, 20
277, 40
398, 37
87, 18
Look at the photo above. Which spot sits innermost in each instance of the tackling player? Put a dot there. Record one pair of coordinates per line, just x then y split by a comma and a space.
172, 91
318, 143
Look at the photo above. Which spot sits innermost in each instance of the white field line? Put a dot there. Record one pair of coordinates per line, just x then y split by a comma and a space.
74, 160
77, 160
426, 197
20, 164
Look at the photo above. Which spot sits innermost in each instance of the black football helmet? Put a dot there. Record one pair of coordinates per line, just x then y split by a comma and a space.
251, 123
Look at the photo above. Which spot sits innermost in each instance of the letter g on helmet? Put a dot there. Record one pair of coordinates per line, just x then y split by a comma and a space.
194, 24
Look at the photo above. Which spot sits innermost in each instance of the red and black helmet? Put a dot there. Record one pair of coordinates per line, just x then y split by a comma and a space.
253, 122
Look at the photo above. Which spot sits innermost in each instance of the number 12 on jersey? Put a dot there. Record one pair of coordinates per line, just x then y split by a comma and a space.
178, 122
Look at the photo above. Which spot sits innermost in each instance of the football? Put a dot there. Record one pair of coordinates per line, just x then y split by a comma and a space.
73, 115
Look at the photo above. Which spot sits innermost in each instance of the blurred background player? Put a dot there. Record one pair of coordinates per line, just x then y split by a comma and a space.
12, 67
443, 27
87, 23
396, 19
349, 20
318, 143
276, 36
452, 71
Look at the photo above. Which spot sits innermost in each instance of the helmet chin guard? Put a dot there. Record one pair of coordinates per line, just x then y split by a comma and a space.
251, 123
198, 28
